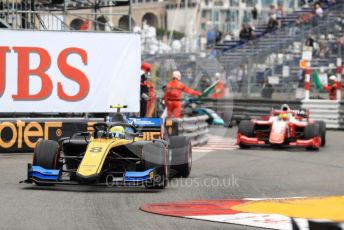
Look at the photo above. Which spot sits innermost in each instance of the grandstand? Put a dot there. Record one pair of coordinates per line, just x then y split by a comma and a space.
270, 53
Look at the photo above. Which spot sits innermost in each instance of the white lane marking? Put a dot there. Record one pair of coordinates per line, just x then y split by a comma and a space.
271, 221
216, 143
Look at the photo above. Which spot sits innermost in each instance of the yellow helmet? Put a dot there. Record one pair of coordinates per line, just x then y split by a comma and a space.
284, 116
117, 131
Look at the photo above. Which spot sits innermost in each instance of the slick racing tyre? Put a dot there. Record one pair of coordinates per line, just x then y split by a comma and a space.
322, 130
311, 131
46, 155
181, 162
246, 128
155, 155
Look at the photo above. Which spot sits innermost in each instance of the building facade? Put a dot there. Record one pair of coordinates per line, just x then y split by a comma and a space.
226, 16
186, 16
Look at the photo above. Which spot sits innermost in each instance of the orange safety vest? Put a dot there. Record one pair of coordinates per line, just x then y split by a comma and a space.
332, 89
174, 90
150, 86
219, 90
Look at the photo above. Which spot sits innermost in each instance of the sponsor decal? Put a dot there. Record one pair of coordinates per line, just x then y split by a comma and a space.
46, 89
20, 133
23, 135
149, 122
37, 75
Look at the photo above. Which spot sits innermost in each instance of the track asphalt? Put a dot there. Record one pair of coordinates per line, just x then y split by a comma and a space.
222, 174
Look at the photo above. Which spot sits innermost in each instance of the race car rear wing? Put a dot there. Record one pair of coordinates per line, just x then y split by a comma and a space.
146, 124
151, 127
301, 113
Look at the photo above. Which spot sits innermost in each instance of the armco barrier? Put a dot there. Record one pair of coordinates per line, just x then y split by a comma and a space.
332, 112
242, 109
22, 134
326, 110
341, 115
195, 128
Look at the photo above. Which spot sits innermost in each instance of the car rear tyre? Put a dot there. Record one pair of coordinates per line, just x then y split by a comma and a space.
243, 146
181, 162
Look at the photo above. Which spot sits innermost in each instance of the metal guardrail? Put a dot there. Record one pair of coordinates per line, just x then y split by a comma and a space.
332, 112
326, 110
195, 128
243, 109
22, 134
341, 115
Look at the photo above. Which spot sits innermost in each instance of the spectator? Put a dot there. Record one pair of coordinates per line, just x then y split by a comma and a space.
310, 41
211, 36
305, 18
318, 10
218, 37
272, 23
267, 90
228, 37
189, 76
246, 32
294, 29
279, 14
272, 11
323, 51
242, 33
254, 13
340, 41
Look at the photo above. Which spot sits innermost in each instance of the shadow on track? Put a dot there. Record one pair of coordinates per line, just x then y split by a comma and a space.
89, 189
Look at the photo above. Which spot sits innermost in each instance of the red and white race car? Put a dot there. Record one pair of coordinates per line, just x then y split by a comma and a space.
285, 128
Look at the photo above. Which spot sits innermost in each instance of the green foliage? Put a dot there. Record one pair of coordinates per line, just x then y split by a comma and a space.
176, 35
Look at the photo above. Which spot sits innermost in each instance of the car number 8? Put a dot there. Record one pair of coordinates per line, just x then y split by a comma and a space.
96, 149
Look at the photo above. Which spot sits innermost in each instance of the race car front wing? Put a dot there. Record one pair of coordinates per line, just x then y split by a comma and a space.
253, 141
39, 175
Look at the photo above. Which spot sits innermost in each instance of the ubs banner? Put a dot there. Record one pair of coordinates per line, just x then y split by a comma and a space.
69, 72
22, 135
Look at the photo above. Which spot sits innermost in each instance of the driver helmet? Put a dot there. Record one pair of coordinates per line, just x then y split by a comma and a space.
284, 116
117, 132
285, 107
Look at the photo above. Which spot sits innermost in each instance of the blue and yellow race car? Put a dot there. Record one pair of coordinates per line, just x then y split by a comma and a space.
133, 152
